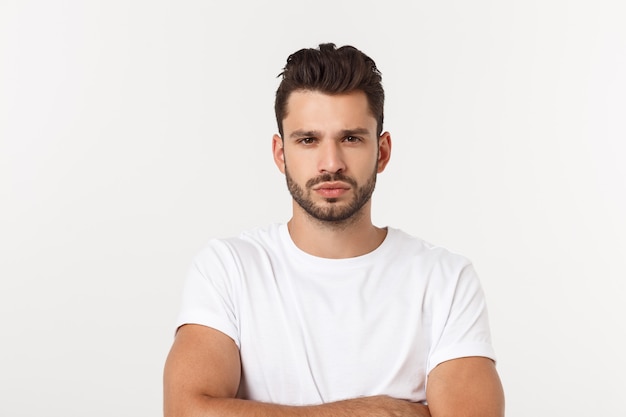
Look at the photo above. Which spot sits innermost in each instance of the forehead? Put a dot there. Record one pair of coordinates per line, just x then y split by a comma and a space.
316, 110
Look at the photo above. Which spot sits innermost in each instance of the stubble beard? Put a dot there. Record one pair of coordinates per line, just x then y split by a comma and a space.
332, 213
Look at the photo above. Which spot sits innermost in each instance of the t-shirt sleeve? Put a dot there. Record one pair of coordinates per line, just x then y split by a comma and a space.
207, 297
462, 330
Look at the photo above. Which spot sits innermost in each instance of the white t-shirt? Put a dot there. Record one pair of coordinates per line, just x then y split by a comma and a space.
313, 330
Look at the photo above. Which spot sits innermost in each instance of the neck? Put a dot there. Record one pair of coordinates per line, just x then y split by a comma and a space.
352, 237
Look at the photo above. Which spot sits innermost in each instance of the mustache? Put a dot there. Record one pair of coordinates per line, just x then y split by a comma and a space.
338, 176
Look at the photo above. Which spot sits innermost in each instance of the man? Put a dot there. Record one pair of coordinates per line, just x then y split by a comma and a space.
329, 315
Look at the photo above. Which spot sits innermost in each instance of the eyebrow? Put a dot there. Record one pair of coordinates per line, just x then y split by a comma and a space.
304, 134
316, 133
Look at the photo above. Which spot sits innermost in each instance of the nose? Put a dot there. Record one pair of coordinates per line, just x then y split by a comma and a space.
331, 158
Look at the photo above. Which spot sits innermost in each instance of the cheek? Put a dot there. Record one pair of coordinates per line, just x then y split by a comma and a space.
297, 168
298, 161
372, 164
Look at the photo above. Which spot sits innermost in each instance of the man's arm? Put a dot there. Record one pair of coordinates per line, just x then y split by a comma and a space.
465, 387
202, 375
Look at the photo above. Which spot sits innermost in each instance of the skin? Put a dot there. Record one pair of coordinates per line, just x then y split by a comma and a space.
330, 135
330, 153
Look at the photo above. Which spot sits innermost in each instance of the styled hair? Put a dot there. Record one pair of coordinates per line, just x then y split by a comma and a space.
331, 70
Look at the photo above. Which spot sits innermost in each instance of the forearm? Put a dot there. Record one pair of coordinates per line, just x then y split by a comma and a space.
378, 406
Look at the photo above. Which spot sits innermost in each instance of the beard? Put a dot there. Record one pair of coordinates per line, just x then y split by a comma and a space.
332, 212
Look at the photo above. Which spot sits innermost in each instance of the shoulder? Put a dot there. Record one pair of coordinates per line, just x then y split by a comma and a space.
248, 245
437, 267
405, 245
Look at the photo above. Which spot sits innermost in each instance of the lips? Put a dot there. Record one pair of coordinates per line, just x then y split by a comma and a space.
332, 186
331, 189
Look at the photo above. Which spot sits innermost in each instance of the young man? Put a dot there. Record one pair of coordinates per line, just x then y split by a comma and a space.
329, 315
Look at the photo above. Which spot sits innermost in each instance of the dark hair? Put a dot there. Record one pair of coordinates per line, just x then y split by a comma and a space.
331, 70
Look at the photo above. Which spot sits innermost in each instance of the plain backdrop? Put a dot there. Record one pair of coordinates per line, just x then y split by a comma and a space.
131, 132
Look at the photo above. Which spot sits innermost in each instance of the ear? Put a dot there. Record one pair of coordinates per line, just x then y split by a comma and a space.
278, 152
384, 151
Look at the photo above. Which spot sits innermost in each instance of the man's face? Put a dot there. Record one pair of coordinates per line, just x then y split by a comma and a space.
330, 153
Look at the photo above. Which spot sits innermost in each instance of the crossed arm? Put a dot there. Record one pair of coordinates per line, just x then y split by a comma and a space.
203, 369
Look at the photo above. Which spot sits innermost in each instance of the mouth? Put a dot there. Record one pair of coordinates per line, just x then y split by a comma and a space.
334, 185
331, 189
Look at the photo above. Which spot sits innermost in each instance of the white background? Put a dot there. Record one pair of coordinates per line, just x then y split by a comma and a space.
133, 131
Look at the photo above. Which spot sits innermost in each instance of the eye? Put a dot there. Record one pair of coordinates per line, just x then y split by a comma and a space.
351, 139
307, 141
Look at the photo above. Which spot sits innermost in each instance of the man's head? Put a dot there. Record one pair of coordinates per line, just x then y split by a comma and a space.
331, 70
329, 108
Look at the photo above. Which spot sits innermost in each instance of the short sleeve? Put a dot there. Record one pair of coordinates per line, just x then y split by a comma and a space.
462, 328
207, 297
